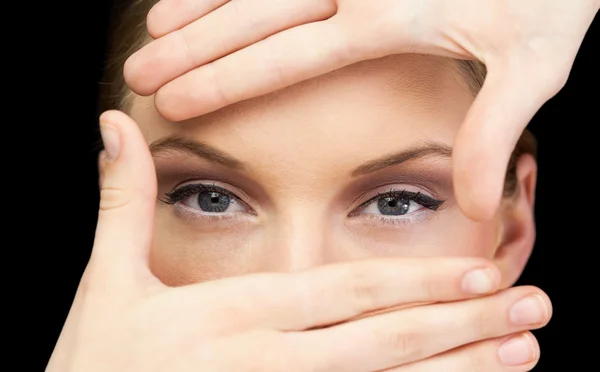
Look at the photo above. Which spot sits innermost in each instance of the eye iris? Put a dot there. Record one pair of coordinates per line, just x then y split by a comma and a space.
211, 201
392, 206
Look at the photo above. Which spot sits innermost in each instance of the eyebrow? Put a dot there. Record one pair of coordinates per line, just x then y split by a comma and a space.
425, 149
198, 149
207, 152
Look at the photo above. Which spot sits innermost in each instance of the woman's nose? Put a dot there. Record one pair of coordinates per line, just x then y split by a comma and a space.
300, 241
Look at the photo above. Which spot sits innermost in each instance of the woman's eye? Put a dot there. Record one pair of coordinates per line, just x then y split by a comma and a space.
205, 198
391, 206
213, 202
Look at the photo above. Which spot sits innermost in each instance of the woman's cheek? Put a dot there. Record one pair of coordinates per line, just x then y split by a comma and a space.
190, 250
446, 234
186, 251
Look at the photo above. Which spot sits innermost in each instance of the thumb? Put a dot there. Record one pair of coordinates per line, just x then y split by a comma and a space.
506, 103
127, 202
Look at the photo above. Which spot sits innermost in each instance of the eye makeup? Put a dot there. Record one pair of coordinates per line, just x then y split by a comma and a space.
405, 196
209, 204
396, 206
190, 189
176, 169
397, 195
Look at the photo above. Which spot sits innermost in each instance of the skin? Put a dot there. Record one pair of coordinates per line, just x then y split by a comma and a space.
199, 62
299, 148
133, 313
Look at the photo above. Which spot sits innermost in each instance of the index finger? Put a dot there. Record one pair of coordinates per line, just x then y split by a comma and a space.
336, 293
169, 15
283, 59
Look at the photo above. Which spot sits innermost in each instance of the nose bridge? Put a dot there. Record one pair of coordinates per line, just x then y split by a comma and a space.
302, 239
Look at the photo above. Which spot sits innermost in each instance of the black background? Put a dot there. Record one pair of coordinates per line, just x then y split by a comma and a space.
56, 193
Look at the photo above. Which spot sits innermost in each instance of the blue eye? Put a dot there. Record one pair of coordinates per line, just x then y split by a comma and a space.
211, 201
399, 203
206, 198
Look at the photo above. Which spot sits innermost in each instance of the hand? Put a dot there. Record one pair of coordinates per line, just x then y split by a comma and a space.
124, 319
208, 54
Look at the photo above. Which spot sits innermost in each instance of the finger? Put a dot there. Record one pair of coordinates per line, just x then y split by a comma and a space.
169, 15
510, 97
127, 201
281, 60
336, 293
516, 353
417, 333
212, 37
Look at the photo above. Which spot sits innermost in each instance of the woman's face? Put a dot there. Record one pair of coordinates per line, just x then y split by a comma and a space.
348, 166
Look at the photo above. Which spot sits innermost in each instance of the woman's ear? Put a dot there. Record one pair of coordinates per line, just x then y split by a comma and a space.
517, 223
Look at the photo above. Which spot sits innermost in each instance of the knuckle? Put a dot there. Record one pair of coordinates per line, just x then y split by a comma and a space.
113, 198
362, 289
481, 324
220, 92
476, 359
401, 345
345, 48
187, 46
557, 82
550, 77
430, 287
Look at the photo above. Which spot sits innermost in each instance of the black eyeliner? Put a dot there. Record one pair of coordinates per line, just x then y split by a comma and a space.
417, 197
185, 191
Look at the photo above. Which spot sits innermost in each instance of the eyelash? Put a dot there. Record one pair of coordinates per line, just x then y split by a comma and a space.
180, 194
428, 202
417, 197
188, 190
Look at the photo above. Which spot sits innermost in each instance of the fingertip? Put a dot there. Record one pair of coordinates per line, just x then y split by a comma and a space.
153, 21
108, 116
176, 103
477, 207
132, 144
167, 16
135, 73
547, 304
482, 278
166, 105
478, 193
115, 118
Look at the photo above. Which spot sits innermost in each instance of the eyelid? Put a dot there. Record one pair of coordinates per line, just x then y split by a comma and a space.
236, 193
229, 188
368, 196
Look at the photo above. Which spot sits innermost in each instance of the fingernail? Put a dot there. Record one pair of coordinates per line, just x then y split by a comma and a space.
517, 350
528, 311
111, 140
479, 281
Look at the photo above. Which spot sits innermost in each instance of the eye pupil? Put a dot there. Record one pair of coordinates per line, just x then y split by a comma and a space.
392, 206
210, 201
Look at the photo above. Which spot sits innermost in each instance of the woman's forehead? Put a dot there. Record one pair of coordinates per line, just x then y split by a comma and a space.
318, 132
401, 86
